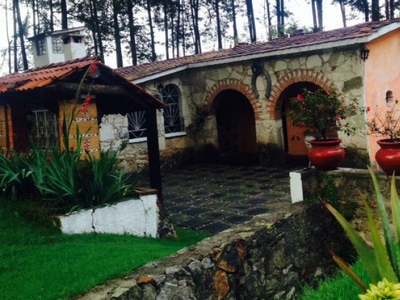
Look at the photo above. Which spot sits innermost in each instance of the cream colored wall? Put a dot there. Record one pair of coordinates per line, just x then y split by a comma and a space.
382, 73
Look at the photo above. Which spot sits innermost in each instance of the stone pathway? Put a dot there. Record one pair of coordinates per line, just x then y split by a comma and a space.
214, 197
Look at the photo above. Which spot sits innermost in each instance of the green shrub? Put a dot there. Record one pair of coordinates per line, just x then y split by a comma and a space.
339, 287
64, 181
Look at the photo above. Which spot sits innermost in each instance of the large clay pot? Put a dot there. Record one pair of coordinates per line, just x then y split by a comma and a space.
388, 156
326, 154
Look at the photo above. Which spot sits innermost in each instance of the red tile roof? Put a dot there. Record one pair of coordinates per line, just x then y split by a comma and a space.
39, 77
242, 50
43, 76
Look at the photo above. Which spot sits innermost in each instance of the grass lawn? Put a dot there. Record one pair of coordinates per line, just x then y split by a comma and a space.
38, 262
340, 287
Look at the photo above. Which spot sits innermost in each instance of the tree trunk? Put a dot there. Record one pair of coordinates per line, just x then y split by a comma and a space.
64, 17
391, 9
33, 17
132, 37
166, 29
366, 11
375, 10
195, 20
235, 31
153, 47
51, 8
21, 30
9, 42
343, 12
178, 28
280, 13
252, 24
15, 38
320, 15
269, 19
98, 32
117, 36
95, 44
314, 14
219, 32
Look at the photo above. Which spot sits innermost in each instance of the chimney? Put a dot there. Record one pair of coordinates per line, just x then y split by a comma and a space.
58, 46
298, 32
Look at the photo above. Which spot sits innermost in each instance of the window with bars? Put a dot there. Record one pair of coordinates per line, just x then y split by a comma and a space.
137, 125
41, 47
57, 45
170, 95
42, 128
173, 121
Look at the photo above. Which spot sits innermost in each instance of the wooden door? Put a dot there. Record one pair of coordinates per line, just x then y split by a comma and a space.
295, 135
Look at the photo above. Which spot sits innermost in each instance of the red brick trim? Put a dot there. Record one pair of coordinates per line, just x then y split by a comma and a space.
290, 78
236, 85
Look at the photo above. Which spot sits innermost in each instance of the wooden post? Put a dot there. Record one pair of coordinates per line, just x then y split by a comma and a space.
154, 153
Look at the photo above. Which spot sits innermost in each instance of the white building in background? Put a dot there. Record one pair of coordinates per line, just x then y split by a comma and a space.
58, 46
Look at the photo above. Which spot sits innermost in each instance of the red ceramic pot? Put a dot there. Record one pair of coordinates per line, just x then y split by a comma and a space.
388, 156
326, 154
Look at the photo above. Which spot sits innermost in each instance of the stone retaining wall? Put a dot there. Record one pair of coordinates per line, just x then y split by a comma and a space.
269, 257
353, 186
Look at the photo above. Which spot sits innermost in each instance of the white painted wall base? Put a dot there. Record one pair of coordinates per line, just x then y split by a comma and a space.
139, 217
296, 183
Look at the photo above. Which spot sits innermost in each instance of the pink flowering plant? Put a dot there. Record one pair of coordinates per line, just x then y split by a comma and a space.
321, 112
387, 124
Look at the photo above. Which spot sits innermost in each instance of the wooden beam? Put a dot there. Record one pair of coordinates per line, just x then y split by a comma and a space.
141, 99
95, 88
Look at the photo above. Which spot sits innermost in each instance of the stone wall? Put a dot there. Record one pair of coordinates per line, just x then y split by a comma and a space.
200, 88
352, 187
269, 257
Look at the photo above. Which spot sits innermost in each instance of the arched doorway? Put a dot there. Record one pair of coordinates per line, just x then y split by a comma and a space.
236, 128
295, 137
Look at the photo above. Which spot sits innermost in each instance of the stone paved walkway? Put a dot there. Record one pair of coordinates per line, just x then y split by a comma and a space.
214, 197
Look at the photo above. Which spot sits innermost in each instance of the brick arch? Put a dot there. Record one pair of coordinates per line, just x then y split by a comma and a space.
236, 85
290, 78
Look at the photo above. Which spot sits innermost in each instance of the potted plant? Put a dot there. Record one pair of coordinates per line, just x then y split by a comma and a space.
323, 113
386, 123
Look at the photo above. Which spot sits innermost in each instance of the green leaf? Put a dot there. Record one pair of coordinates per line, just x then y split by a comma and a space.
345, 267
382, 258
389, 242
365, 252
395, 204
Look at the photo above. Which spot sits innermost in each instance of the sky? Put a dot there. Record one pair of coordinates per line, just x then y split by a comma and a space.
301, 9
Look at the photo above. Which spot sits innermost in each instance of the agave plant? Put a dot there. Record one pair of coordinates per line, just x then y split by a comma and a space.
383, 290
382, 261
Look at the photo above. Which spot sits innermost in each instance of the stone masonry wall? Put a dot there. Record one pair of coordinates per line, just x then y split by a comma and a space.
269, 257
200, 87
354, 186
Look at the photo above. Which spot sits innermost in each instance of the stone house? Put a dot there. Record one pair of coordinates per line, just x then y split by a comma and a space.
237, 100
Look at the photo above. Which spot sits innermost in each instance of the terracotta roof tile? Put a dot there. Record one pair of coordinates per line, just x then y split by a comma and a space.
243, 49
39, 77
43, 76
